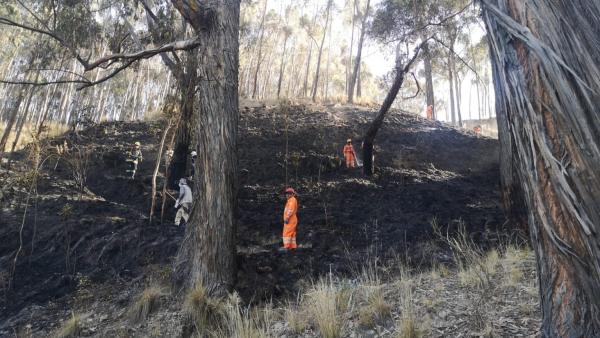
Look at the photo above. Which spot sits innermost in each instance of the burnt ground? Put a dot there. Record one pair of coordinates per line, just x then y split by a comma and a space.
425, 171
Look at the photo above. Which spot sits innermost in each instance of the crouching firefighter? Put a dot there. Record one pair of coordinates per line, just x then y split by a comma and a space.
184, 203
290, 221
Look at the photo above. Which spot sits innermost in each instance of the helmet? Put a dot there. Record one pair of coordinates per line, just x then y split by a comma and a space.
182, 181
137, 144
290, 191
194, 153
349, 140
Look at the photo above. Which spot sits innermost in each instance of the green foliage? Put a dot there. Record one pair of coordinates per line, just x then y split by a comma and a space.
76, 24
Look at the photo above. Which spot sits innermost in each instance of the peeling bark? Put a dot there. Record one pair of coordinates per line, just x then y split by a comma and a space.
207, 254
546, 75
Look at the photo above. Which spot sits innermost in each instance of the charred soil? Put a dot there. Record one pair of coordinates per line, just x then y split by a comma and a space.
75, 232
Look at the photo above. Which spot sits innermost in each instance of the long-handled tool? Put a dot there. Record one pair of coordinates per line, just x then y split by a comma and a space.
174, 199
358, 161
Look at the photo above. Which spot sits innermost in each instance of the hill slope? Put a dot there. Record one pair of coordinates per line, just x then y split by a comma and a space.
72, 238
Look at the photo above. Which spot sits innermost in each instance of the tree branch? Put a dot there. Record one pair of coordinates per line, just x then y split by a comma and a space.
106, 61
45, 83
146, 53
109, 76
418, 88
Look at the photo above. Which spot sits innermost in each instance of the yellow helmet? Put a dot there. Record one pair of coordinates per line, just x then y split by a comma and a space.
137, 144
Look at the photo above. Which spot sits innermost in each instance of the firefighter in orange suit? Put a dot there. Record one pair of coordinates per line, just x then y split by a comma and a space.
290, 220
349, 154
430, 112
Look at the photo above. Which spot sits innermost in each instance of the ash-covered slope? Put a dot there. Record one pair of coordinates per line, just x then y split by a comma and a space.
101, 234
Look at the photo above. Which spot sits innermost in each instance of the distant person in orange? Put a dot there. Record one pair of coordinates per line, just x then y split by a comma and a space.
349, 154
290, 221
477, 130
430, 112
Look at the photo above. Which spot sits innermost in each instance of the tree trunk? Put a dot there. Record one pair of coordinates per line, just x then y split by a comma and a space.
430, 98
349, 63
282, 66
207, 254
23, 120
451, 83
359, 82
361, 40
305, 86
187, 86
159, 158
316, 79
260, 45
12, 118
328, 62
546, 79
457, 92
368, 164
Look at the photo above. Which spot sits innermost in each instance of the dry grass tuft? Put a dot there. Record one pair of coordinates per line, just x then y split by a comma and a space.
376, 308
438, 271
200, 310
511, 264
296, 318
408, 328
324, 311
239, 322
147, 302
71, 328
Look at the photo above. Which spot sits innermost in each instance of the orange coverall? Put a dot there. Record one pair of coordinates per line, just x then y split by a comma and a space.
430, 112
289, 217
349, 155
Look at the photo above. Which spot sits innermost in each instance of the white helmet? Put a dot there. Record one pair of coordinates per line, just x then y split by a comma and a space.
194, 153
182, 181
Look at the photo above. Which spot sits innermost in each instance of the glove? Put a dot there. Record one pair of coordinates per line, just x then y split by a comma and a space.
286, 221
176, 205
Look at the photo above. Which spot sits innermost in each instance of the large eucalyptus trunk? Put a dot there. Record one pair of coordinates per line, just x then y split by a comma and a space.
187, 85
207, 254
547, 78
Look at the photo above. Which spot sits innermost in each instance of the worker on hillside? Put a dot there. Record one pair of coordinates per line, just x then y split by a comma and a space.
194, 156
134, 157
290, 220
184, 203
430, 112
349, 154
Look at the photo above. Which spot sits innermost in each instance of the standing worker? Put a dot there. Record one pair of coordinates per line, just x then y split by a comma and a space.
193, 155
184, 202
134, 157
349, 154
430, 112
290, 221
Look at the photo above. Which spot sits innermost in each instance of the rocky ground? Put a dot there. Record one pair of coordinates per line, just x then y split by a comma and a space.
87, 248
